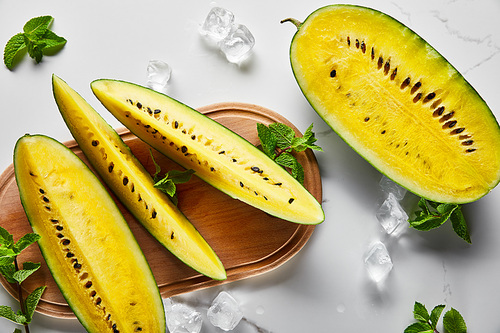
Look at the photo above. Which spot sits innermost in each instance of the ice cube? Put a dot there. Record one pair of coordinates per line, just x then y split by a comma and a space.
391, 215
378, 262
238, 44
224, 312
217, 24
388, 186
182, 318
158, 75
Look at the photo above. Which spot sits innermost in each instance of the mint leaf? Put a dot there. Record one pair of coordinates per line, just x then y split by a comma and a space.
419, 328
8, 313
173, 177
37, 26
420, 312
284, 135
8, 271
454, 322
28, 269
267, 140
433, 214
6, 239
37, 39
13, 50
459, 225
52, 42
25, 241
306, 141
32, 301
435, 314
17, 330
157, 167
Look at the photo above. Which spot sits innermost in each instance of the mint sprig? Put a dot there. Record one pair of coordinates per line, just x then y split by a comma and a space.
453, 322
9, 268
167, 183
278, 141
36, 39
433, 214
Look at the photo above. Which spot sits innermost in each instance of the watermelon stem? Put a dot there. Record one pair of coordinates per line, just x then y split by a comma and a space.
295, 22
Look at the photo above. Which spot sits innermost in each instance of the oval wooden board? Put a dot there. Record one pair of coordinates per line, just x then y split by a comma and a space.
248, 241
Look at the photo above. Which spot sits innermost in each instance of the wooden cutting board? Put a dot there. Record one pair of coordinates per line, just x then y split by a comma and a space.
248, 241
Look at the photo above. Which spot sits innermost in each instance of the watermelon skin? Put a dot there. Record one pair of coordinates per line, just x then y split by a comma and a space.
397, 102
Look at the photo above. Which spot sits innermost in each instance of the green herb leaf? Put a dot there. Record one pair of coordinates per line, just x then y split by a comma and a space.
267, 140
284, 135
13, 50
28, 269
173, 177
8, 271
25, 241
37, 39
433, 214
435, 314
278, 141
17, 330
37, 26
8, 313
420, 312
32, 301
157, 168
419, 328
459, 225
454, 322
6, 239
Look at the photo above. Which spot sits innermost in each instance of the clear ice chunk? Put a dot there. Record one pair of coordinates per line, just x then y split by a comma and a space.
158, 75
182, 318
378, 262
388, 186
217, 24
391, 215
238, 44
224, 312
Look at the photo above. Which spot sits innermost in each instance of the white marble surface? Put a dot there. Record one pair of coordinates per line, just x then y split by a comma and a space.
324, 288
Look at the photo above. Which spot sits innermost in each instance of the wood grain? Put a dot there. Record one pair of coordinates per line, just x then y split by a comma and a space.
248, 241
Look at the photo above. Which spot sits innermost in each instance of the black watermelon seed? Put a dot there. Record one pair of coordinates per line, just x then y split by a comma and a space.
291, 200
383, 132
69, 255
416, 86
367, 118
363, 47
77, 265
387, 66
45, 199
255, 169
93, 293
470, 150
468, 142
278, 184
139, 105
255, 192
98, 301
373, 53
380, 62
450, 124
149, 110
88, 284
54, 220
430, 96
394, 73
405, 83
184, 149
357, 43
265, 178
110, 167
241, 184
348, 41
212, 169
222, 152
333, 73
42, 191
458, 130
156, 111
176, 124
59, 227
438, 112
153, 215
172, 235
95, 143
265, 197
234, 160
125, 181
66, 242
193, 137
417, 97
60, 235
